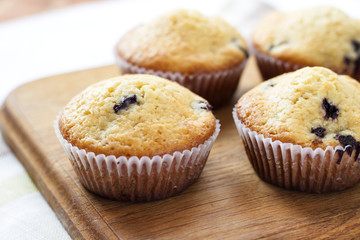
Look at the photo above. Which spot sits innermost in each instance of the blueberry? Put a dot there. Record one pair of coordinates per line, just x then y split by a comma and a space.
355, 44
126, 101
206, 106
349, 143
331, 111
318, 131
346, 140
354, 61
272, 46
235, 41
202, 105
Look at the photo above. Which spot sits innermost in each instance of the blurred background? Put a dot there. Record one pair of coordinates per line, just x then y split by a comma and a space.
40, 38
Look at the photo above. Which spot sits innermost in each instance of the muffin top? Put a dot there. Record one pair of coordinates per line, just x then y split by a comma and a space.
136, 115
321, 35
184, 41
312, 107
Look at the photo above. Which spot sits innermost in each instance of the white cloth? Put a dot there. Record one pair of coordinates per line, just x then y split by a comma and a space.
24, 214
74, 38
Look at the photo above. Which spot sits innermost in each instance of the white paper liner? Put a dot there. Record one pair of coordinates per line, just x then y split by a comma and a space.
217, 87
138, 179
294, 167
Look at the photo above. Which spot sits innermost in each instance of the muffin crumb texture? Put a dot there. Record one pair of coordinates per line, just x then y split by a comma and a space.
184, 41
312, 107
321, 35
136, 115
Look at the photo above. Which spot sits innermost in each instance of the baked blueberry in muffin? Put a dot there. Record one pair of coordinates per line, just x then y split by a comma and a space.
202, 53
302, 129
317, 36
137, 137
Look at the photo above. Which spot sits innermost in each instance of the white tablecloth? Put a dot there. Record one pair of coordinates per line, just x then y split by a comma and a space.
80, 37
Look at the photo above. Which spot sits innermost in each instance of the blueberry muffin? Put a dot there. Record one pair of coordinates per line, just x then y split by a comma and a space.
302, 130
137, 137
317, 36
204, 54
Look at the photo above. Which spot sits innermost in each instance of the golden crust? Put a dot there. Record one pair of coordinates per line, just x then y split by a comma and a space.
183, 41
318, 36
163, 120
287, 107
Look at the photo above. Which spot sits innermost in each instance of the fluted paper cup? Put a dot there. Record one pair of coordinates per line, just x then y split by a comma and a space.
271, 67
216, 87
293, 167
138, 179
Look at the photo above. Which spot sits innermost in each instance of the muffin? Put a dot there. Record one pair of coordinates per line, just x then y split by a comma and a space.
317, 36
204, 54
301, 130
137, 137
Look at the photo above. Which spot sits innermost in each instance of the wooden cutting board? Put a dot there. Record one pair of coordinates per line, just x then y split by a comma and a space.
228, 201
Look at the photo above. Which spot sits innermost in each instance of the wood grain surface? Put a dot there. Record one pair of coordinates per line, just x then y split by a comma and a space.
227, 202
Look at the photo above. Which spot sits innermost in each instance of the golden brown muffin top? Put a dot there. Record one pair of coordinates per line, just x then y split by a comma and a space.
323, 36
184, 41
312, 107
136, 115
